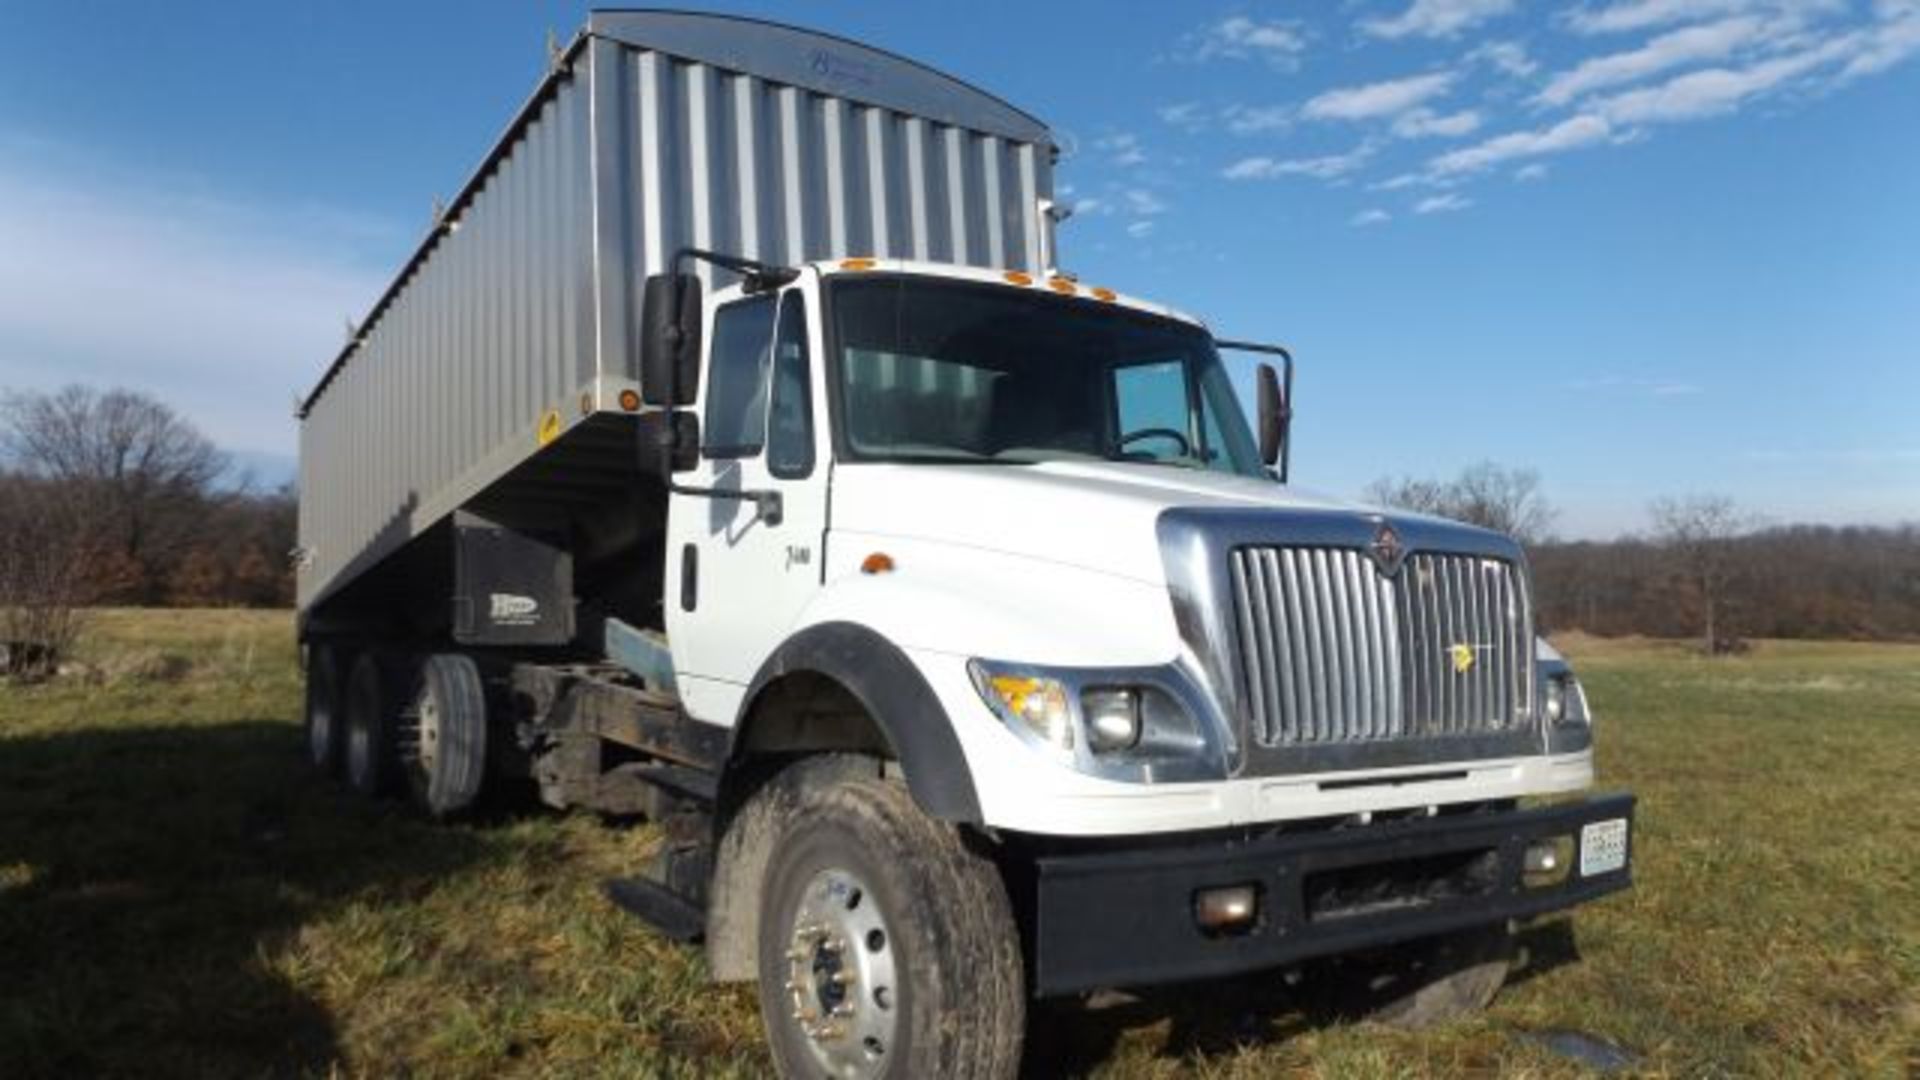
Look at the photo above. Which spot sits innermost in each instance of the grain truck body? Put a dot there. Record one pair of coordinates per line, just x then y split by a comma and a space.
732, 453
513, 325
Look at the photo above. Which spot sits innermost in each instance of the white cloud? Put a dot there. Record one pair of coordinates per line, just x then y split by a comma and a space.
1374, 216
1526, 174
1249, 119
1437, 18
1896, 37
1143, 203
1507, 56
1709, 41
1326, 167
1715, 91
1140, 230
1624, 15
222, 307
1404, 180
1377, 99
1442, 204
1422, 123
1568, 134
1237, 37
1091, 206
1122, 149
1650, 386
1185, 115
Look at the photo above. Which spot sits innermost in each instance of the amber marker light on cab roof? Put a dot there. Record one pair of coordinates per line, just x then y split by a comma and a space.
1062, 286
630, 400
877, 563
1102, 293
856, 264
1015, 277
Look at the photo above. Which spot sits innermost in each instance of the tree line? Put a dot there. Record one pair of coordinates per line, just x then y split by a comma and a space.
110, 497
1706, 568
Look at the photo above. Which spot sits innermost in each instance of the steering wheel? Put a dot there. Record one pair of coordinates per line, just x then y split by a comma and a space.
1186, 448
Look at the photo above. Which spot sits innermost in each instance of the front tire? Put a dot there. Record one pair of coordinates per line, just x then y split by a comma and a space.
1417, 985
886, 947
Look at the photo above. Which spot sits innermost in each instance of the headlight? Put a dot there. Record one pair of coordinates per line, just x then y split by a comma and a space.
1563, 702
1113, 718
1556, 699
1120, 723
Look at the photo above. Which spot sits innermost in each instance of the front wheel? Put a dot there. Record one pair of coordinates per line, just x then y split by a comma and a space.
1420, 984
886, 947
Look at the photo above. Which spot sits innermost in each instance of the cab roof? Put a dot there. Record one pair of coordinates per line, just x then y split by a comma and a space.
1013, 279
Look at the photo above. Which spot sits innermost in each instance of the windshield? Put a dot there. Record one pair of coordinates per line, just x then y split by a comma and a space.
944, 371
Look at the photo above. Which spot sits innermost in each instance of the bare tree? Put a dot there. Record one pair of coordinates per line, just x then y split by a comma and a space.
1409, 493
1507, 500
1698, 534
47, 575
144, 473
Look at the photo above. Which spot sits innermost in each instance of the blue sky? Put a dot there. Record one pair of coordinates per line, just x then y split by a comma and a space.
1646, 247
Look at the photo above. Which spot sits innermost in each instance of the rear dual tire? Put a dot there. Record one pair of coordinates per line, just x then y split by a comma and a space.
371, 758
443, 744
326, 724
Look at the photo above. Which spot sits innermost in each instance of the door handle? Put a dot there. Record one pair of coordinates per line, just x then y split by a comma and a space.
689, 577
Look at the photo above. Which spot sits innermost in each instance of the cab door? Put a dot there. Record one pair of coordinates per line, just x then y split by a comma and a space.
737, 578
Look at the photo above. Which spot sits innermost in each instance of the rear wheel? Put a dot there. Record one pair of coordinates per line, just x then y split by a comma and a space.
1417, 985
443, 742
886, 947
325, 720
372, 716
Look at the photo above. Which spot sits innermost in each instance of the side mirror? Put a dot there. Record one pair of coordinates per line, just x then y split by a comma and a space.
1275, 415
670, 340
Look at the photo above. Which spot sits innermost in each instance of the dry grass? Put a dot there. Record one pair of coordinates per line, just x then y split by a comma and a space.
179, 897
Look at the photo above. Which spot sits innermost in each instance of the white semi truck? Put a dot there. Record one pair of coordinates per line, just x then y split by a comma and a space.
734, 452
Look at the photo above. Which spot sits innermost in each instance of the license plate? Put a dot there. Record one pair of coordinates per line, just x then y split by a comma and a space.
1603, 847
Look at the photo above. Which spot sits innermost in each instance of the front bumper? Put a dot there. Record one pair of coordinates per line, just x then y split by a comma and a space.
1126, 918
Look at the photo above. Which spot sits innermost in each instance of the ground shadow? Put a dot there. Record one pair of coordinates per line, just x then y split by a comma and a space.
145, 875
1073, 1037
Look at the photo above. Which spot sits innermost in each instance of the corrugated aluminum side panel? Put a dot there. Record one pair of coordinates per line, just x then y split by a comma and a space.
490, 329
695, 155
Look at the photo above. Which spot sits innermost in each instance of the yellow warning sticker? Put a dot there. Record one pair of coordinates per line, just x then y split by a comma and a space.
549, 426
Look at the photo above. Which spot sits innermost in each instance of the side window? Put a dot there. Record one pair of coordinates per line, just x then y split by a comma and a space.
1151, 403
790, 417
736, 424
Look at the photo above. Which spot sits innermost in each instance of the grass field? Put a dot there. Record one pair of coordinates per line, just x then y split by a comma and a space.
178, 896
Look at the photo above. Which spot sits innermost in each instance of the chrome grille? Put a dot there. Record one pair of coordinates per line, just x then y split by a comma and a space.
1332, 651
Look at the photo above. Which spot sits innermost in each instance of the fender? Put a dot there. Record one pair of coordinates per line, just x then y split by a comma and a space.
895, 695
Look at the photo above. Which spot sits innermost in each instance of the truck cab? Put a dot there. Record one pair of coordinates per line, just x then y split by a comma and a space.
1016, 539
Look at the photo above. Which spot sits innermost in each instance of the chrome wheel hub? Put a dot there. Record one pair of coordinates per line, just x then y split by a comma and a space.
841, 990
426, 748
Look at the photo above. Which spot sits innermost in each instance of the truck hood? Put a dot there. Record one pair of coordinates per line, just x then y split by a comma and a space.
1098, 516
